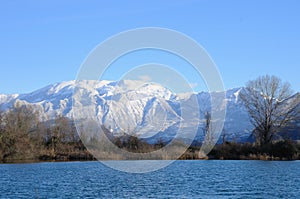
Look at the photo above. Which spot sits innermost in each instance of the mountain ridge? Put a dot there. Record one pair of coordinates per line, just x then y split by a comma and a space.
148, 108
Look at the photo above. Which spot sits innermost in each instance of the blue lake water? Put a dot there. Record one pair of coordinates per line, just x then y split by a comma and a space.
182, 179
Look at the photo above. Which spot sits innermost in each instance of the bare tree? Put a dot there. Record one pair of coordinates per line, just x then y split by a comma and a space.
270, 105
18, 132
5, 140
208, 136
223, 135
60, 135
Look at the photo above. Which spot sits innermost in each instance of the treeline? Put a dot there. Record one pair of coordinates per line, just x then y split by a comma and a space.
24, 138
277, 150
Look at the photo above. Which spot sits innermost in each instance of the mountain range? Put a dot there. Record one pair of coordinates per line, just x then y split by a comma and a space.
148, 110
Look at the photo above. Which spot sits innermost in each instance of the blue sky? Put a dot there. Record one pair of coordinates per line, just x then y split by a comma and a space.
44, 42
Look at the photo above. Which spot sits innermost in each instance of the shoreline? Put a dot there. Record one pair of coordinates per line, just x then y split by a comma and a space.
96, 160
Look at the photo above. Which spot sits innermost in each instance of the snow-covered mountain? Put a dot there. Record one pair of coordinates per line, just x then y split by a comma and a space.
146, 109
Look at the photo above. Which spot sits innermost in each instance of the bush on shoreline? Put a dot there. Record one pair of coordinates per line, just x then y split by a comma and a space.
280, 150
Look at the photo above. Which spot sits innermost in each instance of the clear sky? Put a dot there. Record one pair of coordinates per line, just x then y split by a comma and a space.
43, 42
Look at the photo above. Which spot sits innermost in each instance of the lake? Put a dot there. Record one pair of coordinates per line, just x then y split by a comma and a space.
182, 179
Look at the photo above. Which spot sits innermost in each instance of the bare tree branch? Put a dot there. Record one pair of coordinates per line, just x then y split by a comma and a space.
270, 105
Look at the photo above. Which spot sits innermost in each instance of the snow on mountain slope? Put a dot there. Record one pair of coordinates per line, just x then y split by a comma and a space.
133, 106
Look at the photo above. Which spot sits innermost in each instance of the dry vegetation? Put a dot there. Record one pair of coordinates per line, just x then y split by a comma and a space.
23, 138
